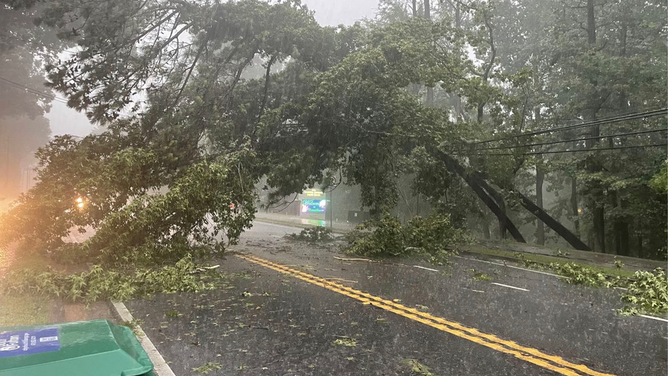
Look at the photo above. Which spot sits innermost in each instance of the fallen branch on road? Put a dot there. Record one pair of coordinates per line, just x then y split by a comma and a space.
339, 279
353, 259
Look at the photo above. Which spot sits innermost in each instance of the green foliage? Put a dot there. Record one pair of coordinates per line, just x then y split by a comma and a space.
173, 314
659, 181
104, 284
480, 276
133, 222
386, 238
431, 236
318, 234
357, 117
345, 341
134, 325
417, 368
647, 294
208, 367
582, 275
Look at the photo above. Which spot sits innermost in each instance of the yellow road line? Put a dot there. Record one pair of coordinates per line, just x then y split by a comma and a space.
531, 355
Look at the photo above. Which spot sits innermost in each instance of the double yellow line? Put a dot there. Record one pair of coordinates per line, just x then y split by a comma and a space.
531, 355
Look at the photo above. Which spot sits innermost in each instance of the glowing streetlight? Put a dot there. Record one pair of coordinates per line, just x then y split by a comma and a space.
80, 203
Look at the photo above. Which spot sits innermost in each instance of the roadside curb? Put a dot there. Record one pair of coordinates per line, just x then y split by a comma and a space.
161, 368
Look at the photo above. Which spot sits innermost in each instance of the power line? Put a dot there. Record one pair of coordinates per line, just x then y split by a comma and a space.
33, 91
571, 151
610, 120
574, 140
37, 93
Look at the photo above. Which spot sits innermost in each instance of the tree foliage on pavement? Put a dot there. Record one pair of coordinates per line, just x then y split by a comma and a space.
432, 236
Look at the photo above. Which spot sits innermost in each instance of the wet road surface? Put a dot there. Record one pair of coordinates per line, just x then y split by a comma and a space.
267, 322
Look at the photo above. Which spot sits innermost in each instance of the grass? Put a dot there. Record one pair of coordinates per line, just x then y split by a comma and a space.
24, 310
546, 260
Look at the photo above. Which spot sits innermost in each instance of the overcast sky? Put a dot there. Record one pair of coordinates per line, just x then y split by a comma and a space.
65, 120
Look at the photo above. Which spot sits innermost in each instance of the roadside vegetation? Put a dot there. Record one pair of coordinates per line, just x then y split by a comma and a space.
645, 292
433, 236
318, 234
117, 284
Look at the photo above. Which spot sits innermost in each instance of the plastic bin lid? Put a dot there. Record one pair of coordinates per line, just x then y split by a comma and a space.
85, 348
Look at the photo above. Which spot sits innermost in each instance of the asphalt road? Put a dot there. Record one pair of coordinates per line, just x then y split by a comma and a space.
295, 309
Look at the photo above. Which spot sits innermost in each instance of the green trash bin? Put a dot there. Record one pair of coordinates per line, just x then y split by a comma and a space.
86, 348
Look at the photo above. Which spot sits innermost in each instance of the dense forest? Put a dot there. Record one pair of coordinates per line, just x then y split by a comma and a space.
487, 105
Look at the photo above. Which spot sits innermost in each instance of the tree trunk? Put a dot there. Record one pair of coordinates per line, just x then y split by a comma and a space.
475, 184
571, 238
591, 24
540, 227
597, 208
574, 205
640, 251
560, 229
485, 229
599, 228
621, 226
622, 238
498, 198
458, 99
484, 192
430, 90
481, 108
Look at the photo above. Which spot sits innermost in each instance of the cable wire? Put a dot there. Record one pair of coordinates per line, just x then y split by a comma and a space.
569, 151
32, 91
610, 120
574, 140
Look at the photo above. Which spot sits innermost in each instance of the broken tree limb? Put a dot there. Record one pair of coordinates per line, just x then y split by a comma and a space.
560, 229
542, 215
474, 183
353, 259
498, 198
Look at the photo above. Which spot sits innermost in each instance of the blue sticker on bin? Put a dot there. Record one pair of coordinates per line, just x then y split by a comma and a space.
28, 342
